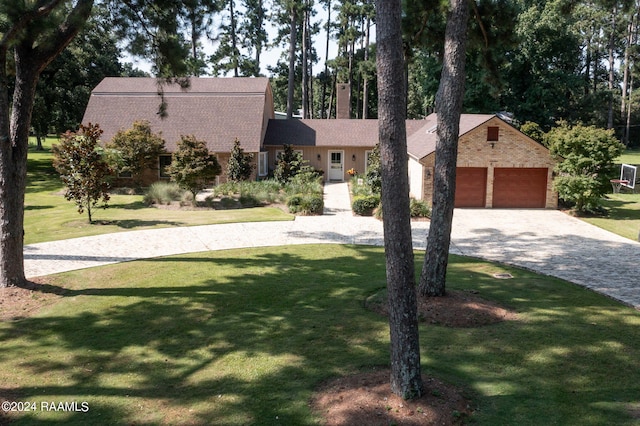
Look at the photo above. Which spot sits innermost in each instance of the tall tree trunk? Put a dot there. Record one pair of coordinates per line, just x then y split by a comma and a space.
448, 106
406, 380
305, 63
234, 40
30, 59
293, 36
325, 113
365, 89
614, 15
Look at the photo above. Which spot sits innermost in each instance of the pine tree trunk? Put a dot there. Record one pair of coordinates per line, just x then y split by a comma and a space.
293, 36
448, 106
406, 380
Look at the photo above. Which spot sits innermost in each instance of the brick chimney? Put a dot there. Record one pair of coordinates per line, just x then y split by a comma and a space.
343, 101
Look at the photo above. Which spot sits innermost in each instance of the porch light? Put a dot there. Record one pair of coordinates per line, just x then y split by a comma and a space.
318, 157
353, 157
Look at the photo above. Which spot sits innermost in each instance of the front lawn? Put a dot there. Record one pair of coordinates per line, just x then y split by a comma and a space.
49, 216
623, 215
245, 336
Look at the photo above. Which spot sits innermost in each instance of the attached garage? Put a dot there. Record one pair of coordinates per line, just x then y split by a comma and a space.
471, 186
497, 165
520, 187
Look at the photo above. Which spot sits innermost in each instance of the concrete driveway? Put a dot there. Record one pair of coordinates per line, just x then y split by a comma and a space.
555, 244
545, 241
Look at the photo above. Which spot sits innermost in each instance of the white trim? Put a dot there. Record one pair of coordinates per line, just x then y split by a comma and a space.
263, 163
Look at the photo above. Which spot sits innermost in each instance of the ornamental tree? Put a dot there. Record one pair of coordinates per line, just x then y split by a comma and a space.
586, 155
240, 164
139, 149
83, 168
193, 167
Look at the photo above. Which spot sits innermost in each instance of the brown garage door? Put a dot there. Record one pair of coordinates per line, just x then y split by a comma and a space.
520, 188
471, 186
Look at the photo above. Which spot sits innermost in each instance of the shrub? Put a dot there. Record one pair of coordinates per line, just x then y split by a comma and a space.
308, 204
240, 164
374, 171
586, 155
363, 205
419, 208
289, 163
163, 193
307, 181
139, 149
193, 167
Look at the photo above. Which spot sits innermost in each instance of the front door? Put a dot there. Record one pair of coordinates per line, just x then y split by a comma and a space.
336, 165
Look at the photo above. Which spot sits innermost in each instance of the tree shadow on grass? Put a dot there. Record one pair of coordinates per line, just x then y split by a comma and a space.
243, 337
137, 223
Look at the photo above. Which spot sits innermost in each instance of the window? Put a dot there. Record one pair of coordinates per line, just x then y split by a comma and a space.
164, 161
125, 175
492, 134
263, 163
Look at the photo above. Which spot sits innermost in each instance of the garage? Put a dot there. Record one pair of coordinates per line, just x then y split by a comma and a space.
471, 186
520, 187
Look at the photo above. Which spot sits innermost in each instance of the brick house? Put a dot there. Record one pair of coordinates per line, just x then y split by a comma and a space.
216, 110
498, 166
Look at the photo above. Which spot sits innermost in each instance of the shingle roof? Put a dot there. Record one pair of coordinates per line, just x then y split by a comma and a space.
423, 142
216, 110
327, 133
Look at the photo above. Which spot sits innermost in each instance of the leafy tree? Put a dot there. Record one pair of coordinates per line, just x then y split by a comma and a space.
139, 149
240, 164
533, 130
83, 168
586, 155
406, 380
449, 108
33, 35
289, 163
193, 167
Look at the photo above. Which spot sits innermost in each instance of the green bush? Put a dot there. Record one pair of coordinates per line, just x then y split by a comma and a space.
163, 193
308, 204
419, 208
364, 205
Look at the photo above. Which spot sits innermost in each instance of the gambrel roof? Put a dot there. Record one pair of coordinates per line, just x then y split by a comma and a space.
216, 110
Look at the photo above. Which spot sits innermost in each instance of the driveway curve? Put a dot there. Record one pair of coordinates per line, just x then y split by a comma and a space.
544, 241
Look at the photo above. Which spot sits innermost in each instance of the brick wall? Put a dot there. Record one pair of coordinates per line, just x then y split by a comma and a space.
513, 149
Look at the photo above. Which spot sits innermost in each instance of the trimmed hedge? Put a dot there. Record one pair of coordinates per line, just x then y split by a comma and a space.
364, 205
308, 204
419, 208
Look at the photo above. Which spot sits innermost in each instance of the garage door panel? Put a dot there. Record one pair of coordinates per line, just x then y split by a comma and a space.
471, 186
520, 187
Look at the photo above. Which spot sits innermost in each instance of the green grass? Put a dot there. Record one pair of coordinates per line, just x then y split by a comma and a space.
245, 336
49, 216
623, 216
630, 156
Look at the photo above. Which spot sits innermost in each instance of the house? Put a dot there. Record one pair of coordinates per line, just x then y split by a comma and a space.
497, 166
216, 110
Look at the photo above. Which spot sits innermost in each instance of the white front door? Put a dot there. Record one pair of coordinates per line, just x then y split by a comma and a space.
336, 165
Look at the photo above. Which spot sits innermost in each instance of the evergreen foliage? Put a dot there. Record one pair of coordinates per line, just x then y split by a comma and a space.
193, 167
374, 174
289, 163
240, 164
83, 168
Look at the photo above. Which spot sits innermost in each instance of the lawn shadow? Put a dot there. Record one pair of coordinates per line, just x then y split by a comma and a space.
137, 223
245, 336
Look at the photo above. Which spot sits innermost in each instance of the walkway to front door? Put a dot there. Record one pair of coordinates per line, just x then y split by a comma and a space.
336, 199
